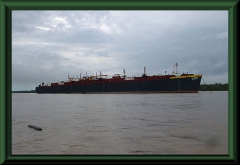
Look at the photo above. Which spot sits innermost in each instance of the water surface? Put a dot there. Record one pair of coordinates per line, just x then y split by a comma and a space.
120, 124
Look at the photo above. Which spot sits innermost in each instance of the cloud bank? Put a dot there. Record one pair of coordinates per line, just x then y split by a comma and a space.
47, 46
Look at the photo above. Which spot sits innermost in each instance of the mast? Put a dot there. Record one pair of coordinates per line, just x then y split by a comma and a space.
144, 73
176, 67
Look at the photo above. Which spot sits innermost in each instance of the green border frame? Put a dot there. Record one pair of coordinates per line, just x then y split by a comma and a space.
6, 7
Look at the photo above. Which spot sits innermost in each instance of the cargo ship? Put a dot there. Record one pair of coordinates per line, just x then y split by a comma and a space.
173, 83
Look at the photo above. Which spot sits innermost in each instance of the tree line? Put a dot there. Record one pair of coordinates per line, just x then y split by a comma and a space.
213, 87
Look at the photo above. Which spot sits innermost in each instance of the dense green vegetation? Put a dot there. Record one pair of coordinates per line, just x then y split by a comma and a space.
214, 87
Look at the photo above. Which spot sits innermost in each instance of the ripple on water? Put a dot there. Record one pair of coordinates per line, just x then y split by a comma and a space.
152, 124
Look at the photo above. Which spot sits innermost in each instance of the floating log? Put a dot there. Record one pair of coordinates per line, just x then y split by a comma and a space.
35, 127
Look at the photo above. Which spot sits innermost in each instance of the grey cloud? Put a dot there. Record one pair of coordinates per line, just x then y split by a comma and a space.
49, 45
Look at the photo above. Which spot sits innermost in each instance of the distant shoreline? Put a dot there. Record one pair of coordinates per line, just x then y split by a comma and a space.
203, 87
32, 91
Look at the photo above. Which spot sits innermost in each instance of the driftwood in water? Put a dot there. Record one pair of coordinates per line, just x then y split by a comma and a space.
35, 127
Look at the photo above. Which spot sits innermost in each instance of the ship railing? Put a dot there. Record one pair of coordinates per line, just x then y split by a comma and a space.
129, 78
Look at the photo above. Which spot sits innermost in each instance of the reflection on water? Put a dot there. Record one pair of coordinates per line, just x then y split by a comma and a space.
109, 124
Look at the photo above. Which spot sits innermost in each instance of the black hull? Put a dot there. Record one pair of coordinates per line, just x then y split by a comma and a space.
181, 85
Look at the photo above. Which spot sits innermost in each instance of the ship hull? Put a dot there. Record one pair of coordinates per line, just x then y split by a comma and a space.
177, 85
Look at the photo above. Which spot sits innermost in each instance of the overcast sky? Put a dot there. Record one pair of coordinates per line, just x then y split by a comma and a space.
47, 46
